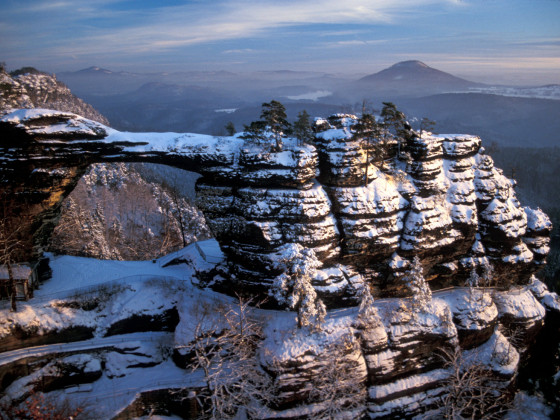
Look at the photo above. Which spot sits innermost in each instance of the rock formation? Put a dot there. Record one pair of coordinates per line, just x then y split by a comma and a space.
30, 88
439, 198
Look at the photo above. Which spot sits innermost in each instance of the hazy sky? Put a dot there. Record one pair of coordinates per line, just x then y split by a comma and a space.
484, 40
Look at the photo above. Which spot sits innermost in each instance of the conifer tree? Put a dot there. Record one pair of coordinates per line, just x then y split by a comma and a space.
254, 132
426, 125
230, 128
302, 128
367, 313
369, 132
395, 122
488, 274
421, 293
274, 116
293, 287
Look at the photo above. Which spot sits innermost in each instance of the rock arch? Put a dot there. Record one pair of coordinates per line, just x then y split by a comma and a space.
442, 199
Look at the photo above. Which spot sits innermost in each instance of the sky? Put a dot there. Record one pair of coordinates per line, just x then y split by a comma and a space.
507, 41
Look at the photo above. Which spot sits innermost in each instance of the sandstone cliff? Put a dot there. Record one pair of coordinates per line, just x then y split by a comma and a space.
438, 198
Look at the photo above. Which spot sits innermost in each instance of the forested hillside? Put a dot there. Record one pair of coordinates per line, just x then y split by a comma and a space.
115, 213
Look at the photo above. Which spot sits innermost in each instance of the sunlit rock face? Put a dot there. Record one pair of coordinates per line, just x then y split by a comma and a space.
437, 197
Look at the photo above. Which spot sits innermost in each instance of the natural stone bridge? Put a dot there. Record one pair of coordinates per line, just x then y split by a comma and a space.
440, 198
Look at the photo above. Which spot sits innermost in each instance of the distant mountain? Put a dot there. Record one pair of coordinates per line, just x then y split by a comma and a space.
413, 78
100, 81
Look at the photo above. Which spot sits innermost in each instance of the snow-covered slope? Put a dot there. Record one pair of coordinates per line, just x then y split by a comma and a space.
114, 213
106, 331
34, 89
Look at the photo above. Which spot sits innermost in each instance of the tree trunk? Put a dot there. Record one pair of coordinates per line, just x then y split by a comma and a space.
12, 287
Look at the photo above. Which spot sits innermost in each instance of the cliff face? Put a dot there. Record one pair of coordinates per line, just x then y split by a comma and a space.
35, 89
438, 197
365, 215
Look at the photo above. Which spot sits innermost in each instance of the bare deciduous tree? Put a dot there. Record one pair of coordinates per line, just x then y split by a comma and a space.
11, 243
235, 383
471, 390
338, 390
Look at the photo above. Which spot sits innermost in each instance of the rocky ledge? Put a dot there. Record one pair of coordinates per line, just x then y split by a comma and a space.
436, 197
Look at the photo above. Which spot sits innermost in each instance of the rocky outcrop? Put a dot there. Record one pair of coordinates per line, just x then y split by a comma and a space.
30, 88
436, 197
406, 358
399, 361
365, 215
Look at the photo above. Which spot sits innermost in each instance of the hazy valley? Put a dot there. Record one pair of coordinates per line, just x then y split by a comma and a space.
403, 263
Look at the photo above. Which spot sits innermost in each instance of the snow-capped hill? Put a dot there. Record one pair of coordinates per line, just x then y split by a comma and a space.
30, 88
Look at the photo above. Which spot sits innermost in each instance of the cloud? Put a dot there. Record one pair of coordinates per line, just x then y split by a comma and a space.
355, 42
239, 51
172, 27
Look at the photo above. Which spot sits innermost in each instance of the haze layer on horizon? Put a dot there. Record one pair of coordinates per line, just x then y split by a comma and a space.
496, 41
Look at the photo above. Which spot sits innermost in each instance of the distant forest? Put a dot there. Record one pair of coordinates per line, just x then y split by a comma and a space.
537, 172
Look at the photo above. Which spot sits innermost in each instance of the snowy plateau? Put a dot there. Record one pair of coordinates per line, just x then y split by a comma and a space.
418, 267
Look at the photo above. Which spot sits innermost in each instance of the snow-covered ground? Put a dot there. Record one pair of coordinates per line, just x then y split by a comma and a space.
151, 287
78, 272
541, 92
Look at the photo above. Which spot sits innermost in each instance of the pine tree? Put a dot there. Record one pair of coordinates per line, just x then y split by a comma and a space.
488, 274
473, 280
254, 132
230, 128
367, 313
293, 287
396, 123
274, 116
426, 125
302, 128
421, 293
368, 131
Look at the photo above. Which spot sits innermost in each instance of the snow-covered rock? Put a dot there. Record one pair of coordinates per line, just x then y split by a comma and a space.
440, 198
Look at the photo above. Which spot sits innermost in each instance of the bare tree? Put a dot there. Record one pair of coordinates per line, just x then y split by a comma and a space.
338, 390
11, 243
235, 383
471, 391
39, 407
